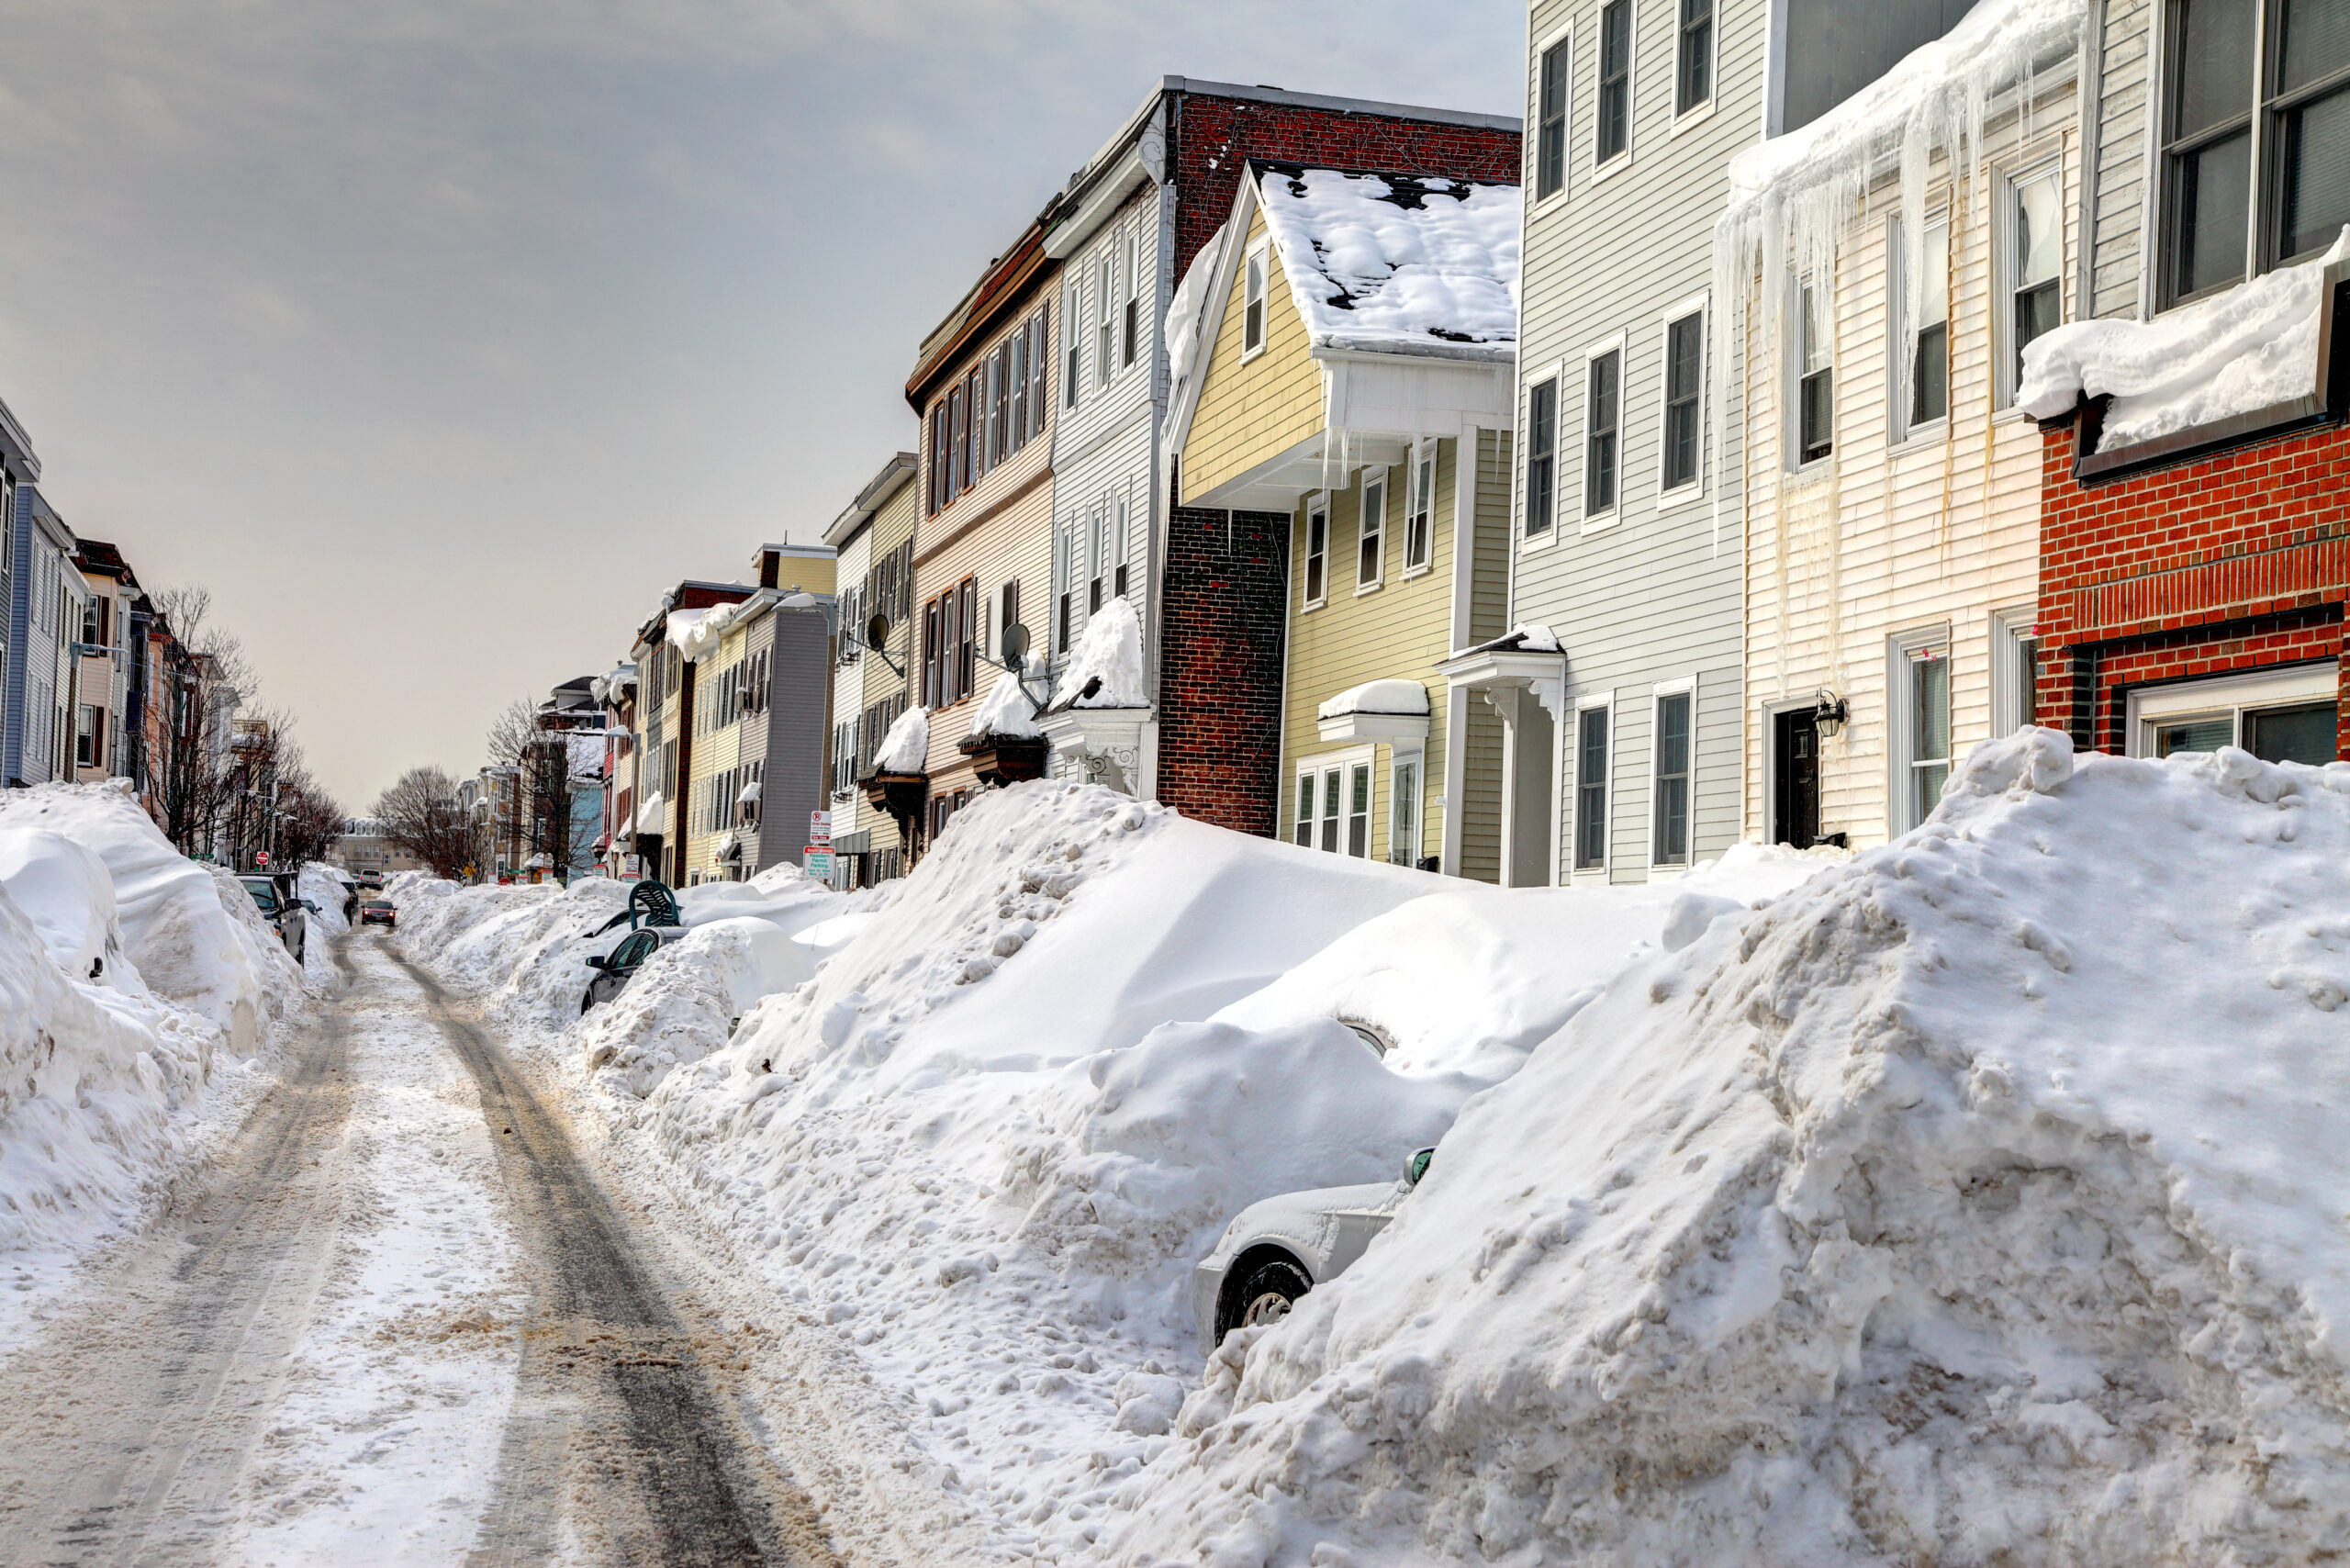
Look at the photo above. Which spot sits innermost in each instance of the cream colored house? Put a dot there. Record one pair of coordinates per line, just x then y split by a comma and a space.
1891, 490
1356, 352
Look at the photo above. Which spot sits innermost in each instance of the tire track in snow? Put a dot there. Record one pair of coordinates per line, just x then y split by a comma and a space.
617, 1447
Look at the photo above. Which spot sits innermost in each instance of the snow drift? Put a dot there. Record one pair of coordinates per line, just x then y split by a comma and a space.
1979, 1203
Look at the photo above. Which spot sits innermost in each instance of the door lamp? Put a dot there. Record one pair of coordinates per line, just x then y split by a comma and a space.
1828, 712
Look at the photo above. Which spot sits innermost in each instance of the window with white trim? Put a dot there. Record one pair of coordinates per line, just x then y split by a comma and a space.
1692, 76
2286, 713
1419, 510
1550, 121
1612, 129
1334, 803
1591, 787
1672, 750
1316, 579
1603, 410
1920, 741
1257, 267
1403, 808
1105, 289
1073, 379
1925, 379
1370, 540
1814, 369
1683, 460
1132, 326
2014, 668
1541, 456
2035, 213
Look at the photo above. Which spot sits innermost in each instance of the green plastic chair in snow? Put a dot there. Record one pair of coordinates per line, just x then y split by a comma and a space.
649, 902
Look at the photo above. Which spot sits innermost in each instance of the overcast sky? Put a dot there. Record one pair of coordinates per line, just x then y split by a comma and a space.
439, 337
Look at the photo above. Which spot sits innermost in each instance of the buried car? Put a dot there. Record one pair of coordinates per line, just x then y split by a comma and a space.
615, 968
1276, 1250
275, 895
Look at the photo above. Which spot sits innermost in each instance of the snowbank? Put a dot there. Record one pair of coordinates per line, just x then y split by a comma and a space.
982, 1149
1397, 264
1980, 1202
1109, 651
2249, 349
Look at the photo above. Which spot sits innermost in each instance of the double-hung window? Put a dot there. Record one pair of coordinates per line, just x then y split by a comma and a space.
1603, 409
1591, 787
1613, 133
1334, 805
1669, 840
1814, 375
1072, 383
1419, 509
1098, 555
2256, 123
1370, 547
1541, 456
2036, 218
1928, 376
1038, 377
1685, 375
1316, 581
1105, 289
1404, 808
1252, 301
998, 445
1693, 75
1922, 747
1016, 373
1550, 121
1133, 323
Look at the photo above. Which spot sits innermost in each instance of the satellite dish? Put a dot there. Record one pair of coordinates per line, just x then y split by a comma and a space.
1015, 642
877, 632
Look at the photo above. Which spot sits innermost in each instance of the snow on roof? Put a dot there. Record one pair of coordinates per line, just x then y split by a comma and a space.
608, 686
648, 815
1110, 653
2246, 350
1530, 637
1378, 697
700, 638
1008, 710
1392, 263
1184, 313
750, 795
906, 747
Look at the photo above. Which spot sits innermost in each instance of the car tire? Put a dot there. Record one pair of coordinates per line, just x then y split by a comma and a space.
1266, 1294
586, 1000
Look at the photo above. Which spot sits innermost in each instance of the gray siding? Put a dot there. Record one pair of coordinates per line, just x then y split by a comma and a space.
2123, 192
797, 715
1654, 596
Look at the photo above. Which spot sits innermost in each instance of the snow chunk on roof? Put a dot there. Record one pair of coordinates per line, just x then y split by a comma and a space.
906, 747
1008, 710
648, 815
750, 794
609, 687
1396, 265
1529, 638
1110, 652
699, 638
1378, 697
2245, 350
1184, 312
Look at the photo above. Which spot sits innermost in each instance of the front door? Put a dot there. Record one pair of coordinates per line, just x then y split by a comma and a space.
1796, 813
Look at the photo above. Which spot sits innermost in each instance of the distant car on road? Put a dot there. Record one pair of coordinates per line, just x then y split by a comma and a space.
274, 894
379, 911
372, 881
615, 968
1276, 1250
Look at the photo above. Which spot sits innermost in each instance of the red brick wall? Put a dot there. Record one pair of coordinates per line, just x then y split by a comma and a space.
1214, 137
2234, 562
1224, 623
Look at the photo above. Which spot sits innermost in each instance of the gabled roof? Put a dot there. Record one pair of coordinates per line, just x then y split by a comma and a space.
16, 454
97, 555
898, 472
1396, 263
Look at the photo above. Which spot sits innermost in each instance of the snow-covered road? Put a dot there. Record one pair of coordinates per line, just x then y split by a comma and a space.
400, 1323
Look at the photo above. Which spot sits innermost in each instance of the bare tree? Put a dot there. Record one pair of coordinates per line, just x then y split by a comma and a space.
207, 680
421, 814
547, 818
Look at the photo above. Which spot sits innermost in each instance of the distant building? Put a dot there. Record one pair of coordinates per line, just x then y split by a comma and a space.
363, 848
46, 605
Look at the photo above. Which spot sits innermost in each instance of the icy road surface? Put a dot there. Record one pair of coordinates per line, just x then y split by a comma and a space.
401, 1322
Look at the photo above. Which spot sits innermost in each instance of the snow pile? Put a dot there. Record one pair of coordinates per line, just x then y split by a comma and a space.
987, 1141
1186, 315
905, 746
1387, 262
329, 888
697, 633
129, 975
1104, 669
1980, 1202
1404, 697
2251, 348
1008, 710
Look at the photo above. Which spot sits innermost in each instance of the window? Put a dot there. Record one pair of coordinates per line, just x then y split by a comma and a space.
1303, 826
2284, 714
1551, 123
1066, 570
1403, 810
1614, 130
1105, 283
2253, 78
1099, 555
967, 623
89, 724
1602, 394
1929, 372
1815, 377
1036, 348
1591, 787
1070, 380
1693, 76
1252, 302
974, 394
1317, 551
1334, 800
1419, 510
1359, 810
1921, 738
959, 433
1118, 551
2014, 661
999, 401
1684, 359
1016, 372
1370, 549
1668, 843
931, 627
2036, 216
1133, 325
1541, 456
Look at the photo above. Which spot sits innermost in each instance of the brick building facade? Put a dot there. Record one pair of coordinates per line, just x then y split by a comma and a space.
2197, 604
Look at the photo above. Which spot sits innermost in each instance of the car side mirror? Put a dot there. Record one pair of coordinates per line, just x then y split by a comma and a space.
1418, 1166
305, 904
594, 962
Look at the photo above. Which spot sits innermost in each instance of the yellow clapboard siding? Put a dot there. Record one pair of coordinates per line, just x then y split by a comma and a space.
1249, 412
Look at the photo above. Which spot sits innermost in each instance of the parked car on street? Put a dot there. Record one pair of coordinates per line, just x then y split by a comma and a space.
379, 911
1276, 1250
615, 968
274, 894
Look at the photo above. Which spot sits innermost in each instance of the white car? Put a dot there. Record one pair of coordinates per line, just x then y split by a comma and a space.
1276, 1250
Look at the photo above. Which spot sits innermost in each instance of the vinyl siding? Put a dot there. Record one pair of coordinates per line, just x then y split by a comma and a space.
1249, 412
2124, 191
1014, 541
1881, 540
892, 526
848, 680
1655, 597
1489, 573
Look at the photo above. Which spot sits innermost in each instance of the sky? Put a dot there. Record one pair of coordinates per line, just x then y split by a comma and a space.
438, 339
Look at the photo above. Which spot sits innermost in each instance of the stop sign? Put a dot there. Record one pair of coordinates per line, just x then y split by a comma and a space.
261, 857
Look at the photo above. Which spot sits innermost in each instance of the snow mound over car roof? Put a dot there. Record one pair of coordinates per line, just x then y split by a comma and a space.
1980, 1201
